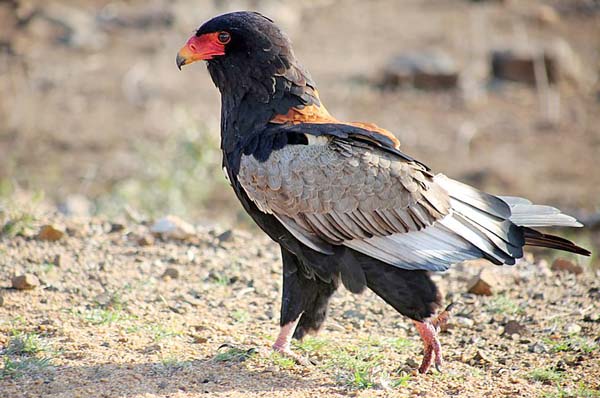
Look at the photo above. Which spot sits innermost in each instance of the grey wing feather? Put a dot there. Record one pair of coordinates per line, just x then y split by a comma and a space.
526, 214
387, 207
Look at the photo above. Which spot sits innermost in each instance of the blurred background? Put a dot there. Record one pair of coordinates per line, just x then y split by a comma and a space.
96, 118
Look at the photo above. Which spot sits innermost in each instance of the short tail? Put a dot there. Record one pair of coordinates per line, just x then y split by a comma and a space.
499, 226
526, 215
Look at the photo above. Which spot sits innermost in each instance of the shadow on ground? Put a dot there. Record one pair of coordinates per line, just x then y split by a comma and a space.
203, 376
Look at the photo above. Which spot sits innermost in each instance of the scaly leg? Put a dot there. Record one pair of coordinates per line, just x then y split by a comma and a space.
283, 343
428, 330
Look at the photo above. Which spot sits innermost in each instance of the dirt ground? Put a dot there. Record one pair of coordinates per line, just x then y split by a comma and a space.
118, 316
97, 123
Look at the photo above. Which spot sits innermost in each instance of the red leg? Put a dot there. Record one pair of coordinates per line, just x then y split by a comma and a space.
431, 345
283, 343
428, 330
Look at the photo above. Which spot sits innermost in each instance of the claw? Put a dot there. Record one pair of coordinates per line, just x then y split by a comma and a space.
288, 353
438, 366
442, 318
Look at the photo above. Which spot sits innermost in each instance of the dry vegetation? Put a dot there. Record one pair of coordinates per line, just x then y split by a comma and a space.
96, 121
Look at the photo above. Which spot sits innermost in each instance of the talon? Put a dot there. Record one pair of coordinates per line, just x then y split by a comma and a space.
432, 348
288, 353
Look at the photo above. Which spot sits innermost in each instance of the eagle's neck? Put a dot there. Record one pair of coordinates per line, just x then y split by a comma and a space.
251, 98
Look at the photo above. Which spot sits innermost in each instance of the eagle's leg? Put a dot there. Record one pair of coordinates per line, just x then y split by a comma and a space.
428, 330
283, 342
303, 305
431, 345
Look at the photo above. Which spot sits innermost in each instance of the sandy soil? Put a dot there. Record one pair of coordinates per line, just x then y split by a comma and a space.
92, 104
196, 318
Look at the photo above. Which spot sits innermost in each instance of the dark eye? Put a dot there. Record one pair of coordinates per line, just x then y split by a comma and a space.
224, 37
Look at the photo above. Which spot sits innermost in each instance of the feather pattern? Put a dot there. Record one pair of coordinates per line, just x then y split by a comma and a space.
344, 192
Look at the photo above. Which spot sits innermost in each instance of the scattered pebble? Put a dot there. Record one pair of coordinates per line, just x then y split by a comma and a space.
76, 205
513, 327
199, 339
116, 227
50, 233
25, 282
537, 348
521, 67
561, 264
173, 227
572, 328
353, 314
146, 240
63, 260
171, 273
594, 318
485, 283
423, 70
225, 236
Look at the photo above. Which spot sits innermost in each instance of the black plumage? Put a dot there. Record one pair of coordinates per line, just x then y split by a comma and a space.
386, 231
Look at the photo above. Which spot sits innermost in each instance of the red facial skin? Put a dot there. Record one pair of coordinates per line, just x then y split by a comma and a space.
200, 48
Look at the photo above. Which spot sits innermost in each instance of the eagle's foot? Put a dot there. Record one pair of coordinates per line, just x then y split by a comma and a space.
431, 344
428, 330
288, 353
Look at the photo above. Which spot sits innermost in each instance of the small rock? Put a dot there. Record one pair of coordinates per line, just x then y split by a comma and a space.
173, 227
484, 284
225, 236
561, 264
76, 205
572, 328
457, 321
50, 233
481, 357
592, 318
513, 327
423, 70
199, 339
152, 349
146, 240
537, 348
25, 282
116, 227
63, 261
521, 67
172, 273
464, 321
353, 314
411, 363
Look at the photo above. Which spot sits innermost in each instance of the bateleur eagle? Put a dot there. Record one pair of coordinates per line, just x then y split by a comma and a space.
340, 198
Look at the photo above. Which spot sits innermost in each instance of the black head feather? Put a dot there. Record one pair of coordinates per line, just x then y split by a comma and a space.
258, 76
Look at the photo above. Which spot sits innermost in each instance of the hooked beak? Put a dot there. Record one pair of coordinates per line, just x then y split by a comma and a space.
181, 60
185, 56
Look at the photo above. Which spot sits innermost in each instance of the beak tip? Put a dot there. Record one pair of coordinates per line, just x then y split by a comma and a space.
180, 61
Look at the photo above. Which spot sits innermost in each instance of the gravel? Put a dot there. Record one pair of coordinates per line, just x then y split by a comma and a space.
114, 317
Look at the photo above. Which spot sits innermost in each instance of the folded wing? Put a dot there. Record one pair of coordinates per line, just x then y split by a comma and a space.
344, 192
